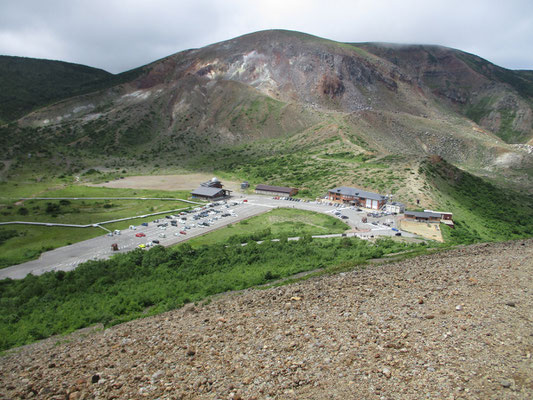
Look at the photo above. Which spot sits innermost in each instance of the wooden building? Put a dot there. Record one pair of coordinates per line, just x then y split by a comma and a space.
446, 217
276, 190
357, 197
210, 193
423, 216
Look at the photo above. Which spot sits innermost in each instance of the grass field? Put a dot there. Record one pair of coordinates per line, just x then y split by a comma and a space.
28, 242
276, 223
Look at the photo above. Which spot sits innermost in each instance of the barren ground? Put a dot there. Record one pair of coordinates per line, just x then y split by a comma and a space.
166, 182
428, 230
454, 325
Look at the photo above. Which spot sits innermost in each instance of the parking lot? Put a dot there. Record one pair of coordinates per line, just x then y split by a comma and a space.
239, 208
377, 223
69, 257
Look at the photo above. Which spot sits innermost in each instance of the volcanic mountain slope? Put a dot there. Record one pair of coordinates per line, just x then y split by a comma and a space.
275, 84
497, 99
454, 325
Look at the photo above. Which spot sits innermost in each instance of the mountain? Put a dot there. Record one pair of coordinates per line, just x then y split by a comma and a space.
27, 84
272, 93
496, 98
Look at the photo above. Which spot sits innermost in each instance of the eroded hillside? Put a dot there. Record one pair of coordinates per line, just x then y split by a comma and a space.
277, 84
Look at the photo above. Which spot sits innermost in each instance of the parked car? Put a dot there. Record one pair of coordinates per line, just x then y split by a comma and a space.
142, 246
140, 234
183, 232
144, 224
162, 235
116, 232
155, 241
344, 216
398, 234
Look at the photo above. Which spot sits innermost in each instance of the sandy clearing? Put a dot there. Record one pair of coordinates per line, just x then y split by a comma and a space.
166, 182
427, 230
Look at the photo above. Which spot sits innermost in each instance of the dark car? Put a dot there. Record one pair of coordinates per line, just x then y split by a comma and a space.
398, 234
344, 217
155, 241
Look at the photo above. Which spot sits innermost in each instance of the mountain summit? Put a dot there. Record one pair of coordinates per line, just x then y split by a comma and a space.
381, 98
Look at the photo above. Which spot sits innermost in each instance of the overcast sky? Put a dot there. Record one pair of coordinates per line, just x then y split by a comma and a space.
117, 35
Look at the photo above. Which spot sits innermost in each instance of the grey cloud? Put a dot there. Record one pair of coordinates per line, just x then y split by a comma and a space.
117, 35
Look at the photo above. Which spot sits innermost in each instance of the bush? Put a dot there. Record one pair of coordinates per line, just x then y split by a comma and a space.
22, 211
52, 208
141, 283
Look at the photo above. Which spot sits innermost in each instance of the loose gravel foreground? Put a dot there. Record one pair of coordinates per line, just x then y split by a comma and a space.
454, 325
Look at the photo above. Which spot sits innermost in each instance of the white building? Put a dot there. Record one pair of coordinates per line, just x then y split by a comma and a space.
395, 207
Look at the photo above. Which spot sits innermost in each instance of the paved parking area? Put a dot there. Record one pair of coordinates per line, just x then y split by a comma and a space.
69, 257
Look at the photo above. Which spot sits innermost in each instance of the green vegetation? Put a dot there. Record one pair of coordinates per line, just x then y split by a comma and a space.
278, 223
29, 83
143, 283
482, 211
477, 111
29, 242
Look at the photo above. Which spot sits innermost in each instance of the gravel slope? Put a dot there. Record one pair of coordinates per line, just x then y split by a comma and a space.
455, 325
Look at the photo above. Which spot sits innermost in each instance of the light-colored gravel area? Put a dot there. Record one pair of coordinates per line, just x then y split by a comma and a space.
166, 182
452, 325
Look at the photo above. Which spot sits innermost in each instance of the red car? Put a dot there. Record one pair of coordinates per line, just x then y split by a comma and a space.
140, 234
183, 232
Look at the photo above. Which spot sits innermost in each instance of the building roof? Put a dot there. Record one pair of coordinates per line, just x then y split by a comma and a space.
396, 203
355, 192
423, 214
280, 189
208, 191
440, 212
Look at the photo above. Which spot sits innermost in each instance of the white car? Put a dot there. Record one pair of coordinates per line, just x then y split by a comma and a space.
162, 235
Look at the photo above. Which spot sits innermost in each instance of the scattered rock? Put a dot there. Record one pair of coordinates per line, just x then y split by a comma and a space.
360, 333
505, 383
158, 375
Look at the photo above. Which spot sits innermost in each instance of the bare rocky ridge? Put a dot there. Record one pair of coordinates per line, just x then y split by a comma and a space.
454, 325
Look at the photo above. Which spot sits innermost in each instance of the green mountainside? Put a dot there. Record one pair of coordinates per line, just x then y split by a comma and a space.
27, 83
